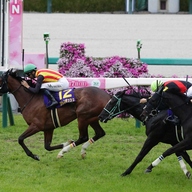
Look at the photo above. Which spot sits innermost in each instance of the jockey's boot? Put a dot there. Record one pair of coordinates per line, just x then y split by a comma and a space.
51, 98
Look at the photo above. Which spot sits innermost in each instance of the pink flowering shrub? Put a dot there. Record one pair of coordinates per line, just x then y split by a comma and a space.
74, 63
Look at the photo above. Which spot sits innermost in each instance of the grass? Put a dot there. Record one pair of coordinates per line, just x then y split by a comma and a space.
99, 172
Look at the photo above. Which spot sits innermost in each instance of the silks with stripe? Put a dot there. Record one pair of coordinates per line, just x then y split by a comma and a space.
176, 86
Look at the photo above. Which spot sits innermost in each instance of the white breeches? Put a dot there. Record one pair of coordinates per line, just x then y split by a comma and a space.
189, 92
56, 86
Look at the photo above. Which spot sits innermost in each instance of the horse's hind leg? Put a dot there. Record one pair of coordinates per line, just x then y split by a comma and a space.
32, 129
181, 162
185, 155
99, 132
183, 145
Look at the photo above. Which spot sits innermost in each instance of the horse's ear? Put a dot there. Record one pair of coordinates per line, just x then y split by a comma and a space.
17, 72
12, 71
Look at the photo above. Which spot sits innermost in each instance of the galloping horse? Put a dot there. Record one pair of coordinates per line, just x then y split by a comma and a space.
182, 109
157, 130
89, 103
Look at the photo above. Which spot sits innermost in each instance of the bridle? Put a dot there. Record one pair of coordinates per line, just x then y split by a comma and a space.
117, 107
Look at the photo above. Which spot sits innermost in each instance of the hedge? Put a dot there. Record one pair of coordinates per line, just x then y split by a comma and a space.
89, 6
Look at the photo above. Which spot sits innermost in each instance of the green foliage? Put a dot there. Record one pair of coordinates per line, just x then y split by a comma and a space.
76, 6
79, 6
184, 5
36, 6
99, 171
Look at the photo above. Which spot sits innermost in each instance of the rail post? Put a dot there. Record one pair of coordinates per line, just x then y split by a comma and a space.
190, 6
49, 6
46, 39
6, 109
139, 46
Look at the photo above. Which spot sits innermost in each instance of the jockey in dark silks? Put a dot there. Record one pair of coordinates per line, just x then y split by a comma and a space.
173, 86
177, 86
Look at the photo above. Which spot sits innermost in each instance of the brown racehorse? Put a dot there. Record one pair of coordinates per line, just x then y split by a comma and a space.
89, 103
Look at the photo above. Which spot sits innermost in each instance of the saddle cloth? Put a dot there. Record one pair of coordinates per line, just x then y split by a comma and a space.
62, 97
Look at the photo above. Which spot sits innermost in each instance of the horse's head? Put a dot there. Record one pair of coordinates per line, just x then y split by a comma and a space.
14, 73
122, 103
112, 108
6, 83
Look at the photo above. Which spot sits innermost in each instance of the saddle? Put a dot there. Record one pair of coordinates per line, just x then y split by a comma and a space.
171, 118
62, 97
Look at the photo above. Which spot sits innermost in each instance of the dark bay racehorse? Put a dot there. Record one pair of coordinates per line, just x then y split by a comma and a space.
181, 108
89, 103
157, 130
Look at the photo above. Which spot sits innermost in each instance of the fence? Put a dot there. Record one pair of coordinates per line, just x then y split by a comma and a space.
155, 62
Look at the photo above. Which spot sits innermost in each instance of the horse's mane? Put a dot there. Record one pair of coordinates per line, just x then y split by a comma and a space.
16, 74
133, 93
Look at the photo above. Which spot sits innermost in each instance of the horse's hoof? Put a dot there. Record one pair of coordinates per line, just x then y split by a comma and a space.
123, 174
83, 155
71, 141
36, 157
188, 175
59, 156
148, 171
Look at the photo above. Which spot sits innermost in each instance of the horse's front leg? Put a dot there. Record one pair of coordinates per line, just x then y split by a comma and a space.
148, 145
48, 136
83, 137
99, 132
68, 147
32, 129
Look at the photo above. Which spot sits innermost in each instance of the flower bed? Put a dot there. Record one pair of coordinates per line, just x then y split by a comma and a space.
74, 63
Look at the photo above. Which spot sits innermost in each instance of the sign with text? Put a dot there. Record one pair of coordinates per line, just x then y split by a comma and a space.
86, 82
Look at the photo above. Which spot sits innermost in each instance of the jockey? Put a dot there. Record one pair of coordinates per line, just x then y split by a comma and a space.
47, 80
155, 85
174, 86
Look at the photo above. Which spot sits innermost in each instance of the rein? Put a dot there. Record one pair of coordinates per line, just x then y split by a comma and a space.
25, 105
16, 89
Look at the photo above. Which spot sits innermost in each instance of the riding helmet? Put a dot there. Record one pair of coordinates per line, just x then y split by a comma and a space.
29, 68
155, 85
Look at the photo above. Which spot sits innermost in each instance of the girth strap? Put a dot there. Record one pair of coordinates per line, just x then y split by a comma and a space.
179, 133
55, 118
